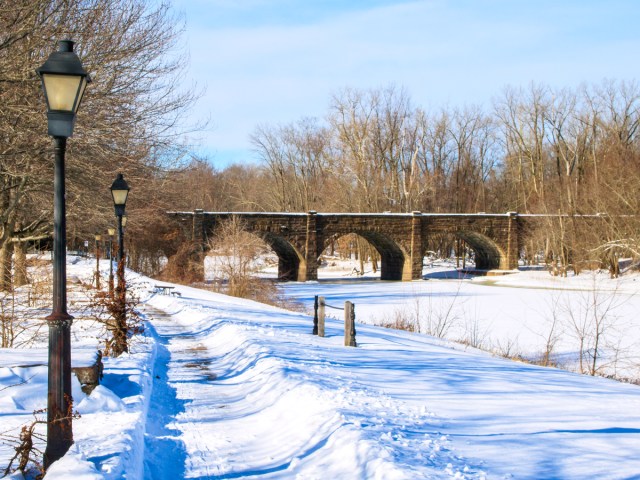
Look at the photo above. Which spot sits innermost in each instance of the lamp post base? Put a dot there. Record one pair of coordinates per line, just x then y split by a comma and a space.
59, 401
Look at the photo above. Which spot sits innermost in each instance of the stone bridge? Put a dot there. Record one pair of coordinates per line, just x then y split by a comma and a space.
299, 239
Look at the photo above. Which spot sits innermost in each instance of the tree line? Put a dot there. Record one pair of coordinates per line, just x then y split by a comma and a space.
534, 150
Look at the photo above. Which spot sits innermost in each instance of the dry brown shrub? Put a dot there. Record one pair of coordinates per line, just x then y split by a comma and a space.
186, 266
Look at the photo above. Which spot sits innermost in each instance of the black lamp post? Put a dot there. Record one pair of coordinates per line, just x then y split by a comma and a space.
111, 232
98, 238
63, 81
119, 192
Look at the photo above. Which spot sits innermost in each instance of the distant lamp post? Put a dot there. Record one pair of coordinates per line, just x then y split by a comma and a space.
64, 81
111, 232
98, 238
120, 192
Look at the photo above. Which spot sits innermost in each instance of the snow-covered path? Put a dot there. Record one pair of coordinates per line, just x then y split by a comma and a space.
248, 406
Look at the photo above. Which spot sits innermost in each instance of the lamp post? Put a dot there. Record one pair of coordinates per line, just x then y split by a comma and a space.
63, 81
111, 232
120, 192
98, 238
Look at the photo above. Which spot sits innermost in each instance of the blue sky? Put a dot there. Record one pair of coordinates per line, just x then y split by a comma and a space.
276, 61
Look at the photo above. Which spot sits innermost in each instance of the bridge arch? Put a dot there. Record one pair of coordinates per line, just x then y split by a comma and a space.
290, 262
488, 255
392, 255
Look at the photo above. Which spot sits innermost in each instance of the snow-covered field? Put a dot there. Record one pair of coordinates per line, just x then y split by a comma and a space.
220, 387
524, 315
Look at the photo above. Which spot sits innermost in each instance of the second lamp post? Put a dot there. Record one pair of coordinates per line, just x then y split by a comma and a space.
119, 192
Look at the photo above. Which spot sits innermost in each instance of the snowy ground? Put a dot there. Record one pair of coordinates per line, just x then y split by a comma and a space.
227, 388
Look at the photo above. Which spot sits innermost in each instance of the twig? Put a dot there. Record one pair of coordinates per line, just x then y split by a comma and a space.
17, 384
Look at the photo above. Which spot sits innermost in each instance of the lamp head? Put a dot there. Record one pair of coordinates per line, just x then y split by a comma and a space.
63, 81
120, 192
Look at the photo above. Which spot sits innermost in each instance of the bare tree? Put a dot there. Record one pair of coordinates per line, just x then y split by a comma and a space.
296, 158
524, 136
593, 320
435, 159
130, 120
235, 251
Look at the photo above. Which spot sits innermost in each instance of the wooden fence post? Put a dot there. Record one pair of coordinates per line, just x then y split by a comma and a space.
349, 324
321, 305
315, 315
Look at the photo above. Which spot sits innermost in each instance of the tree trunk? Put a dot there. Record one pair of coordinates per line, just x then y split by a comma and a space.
20, 259
374, 261
6, 253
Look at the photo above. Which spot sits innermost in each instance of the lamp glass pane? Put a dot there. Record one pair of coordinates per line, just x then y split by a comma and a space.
83, 85
61, 91
119, 196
